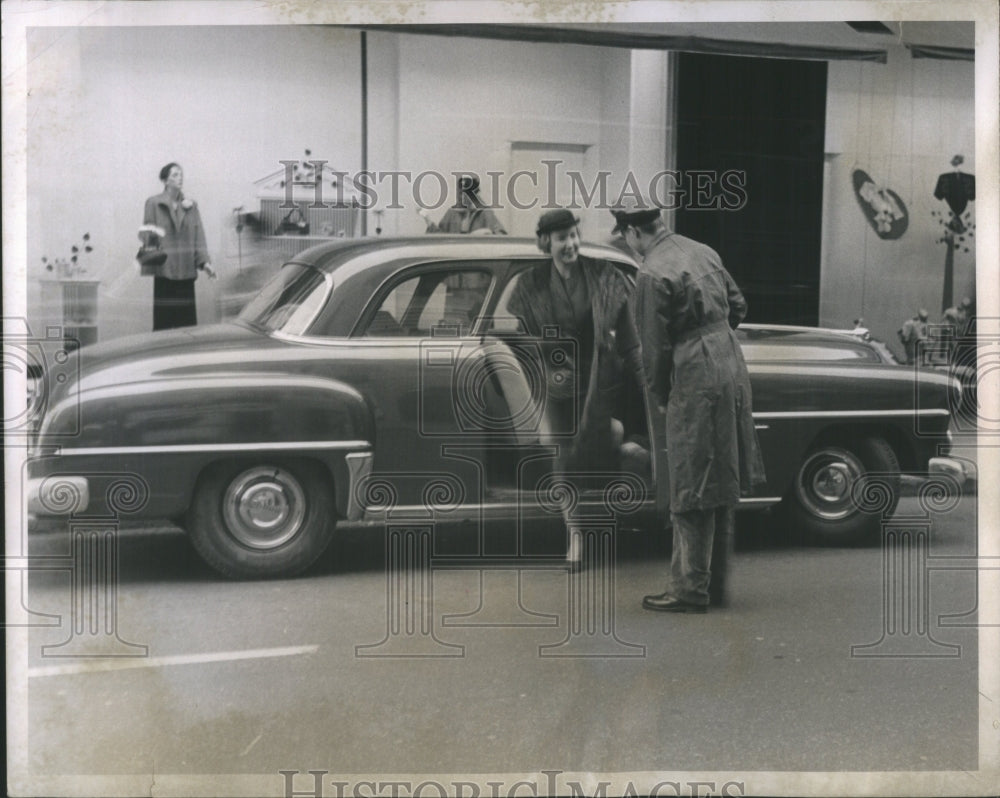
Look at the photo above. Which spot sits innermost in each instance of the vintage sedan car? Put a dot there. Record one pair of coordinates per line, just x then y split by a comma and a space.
385, 380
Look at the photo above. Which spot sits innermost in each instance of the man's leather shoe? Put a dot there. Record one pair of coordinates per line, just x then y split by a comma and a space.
667, 603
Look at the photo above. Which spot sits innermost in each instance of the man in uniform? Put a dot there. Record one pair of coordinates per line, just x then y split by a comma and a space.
687, 306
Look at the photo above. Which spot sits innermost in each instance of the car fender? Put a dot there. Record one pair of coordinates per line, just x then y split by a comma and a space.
192, 420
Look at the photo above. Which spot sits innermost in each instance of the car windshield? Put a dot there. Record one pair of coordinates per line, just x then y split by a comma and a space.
289, 302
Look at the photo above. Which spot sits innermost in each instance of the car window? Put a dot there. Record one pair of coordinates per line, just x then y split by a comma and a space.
431, 302
289, 301
805, 352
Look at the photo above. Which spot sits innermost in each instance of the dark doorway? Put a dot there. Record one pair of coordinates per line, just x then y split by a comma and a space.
763, 118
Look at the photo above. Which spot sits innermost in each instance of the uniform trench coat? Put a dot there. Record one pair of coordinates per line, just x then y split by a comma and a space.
615, 349
184, 241
687, 306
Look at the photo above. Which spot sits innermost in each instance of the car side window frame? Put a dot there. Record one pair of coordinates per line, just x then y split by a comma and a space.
416, 271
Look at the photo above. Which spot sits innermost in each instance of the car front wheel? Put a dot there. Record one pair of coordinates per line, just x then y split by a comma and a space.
821, 505
268, 519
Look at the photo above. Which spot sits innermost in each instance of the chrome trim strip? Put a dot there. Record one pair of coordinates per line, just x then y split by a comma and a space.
186, 448
359, 466
852, 413
420, 511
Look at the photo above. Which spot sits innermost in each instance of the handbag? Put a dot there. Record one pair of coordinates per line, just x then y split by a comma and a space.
294, 223
150, 255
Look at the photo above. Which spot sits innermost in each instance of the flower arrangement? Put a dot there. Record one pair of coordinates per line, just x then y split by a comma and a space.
72, 266
305, 173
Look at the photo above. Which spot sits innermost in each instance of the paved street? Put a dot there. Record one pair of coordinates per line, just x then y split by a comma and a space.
257, 677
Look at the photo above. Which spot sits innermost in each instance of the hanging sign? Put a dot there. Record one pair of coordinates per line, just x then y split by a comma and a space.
882, 207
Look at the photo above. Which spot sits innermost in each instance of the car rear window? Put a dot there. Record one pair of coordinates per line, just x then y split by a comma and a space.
289, 301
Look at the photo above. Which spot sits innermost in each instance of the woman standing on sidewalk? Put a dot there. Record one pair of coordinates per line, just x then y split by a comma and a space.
183, 240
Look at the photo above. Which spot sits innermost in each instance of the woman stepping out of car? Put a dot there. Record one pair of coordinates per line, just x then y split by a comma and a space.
586, 302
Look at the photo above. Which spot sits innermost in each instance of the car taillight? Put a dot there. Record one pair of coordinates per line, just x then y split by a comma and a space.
955, 395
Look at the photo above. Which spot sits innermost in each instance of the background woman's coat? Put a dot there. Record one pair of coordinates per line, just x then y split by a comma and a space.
184, 241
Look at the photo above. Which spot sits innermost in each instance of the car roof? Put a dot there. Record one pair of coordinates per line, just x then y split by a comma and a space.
356, 255
332, 256
791, 334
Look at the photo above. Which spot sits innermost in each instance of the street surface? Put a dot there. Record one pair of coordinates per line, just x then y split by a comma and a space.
258, 677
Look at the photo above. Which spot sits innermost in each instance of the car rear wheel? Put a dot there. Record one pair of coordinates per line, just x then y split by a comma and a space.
265, 519
821, 506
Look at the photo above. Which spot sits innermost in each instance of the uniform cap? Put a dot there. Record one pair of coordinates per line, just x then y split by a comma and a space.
633, 211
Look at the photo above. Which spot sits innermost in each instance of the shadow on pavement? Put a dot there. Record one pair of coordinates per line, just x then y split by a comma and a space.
161, 551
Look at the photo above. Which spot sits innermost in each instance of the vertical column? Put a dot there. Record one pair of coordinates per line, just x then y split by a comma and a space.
501, 583
95, 573
590, 623
94, 597
409, 589
905, 582
56, 495
94, 568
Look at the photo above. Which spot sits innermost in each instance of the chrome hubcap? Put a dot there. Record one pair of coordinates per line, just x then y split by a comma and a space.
264, 507
831, 482
824, 483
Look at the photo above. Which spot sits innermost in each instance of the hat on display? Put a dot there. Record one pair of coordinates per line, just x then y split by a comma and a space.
559, 219
467, 183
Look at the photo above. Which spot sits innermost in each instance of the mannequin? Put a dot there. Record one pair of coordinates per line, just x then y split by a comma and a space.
956, 188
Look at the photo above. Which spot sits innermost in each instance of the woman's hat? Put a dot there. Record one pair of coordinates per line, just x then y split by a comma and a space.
559, 219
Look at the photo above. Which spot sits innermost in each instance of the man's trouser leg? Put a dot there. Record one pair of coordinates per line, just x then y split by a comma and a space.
722, 549
692, 555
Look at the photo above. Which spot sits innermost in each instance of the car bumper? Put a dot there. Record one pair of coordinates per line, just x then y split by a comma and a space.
947, 465
58, 495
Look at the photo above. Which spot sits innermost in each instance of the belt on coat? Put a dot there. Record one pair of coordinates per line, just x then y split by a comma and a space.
698, 332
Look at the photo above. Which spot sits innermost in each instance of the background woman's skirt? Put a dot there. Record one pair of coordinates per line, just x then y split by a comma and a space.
173, 303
